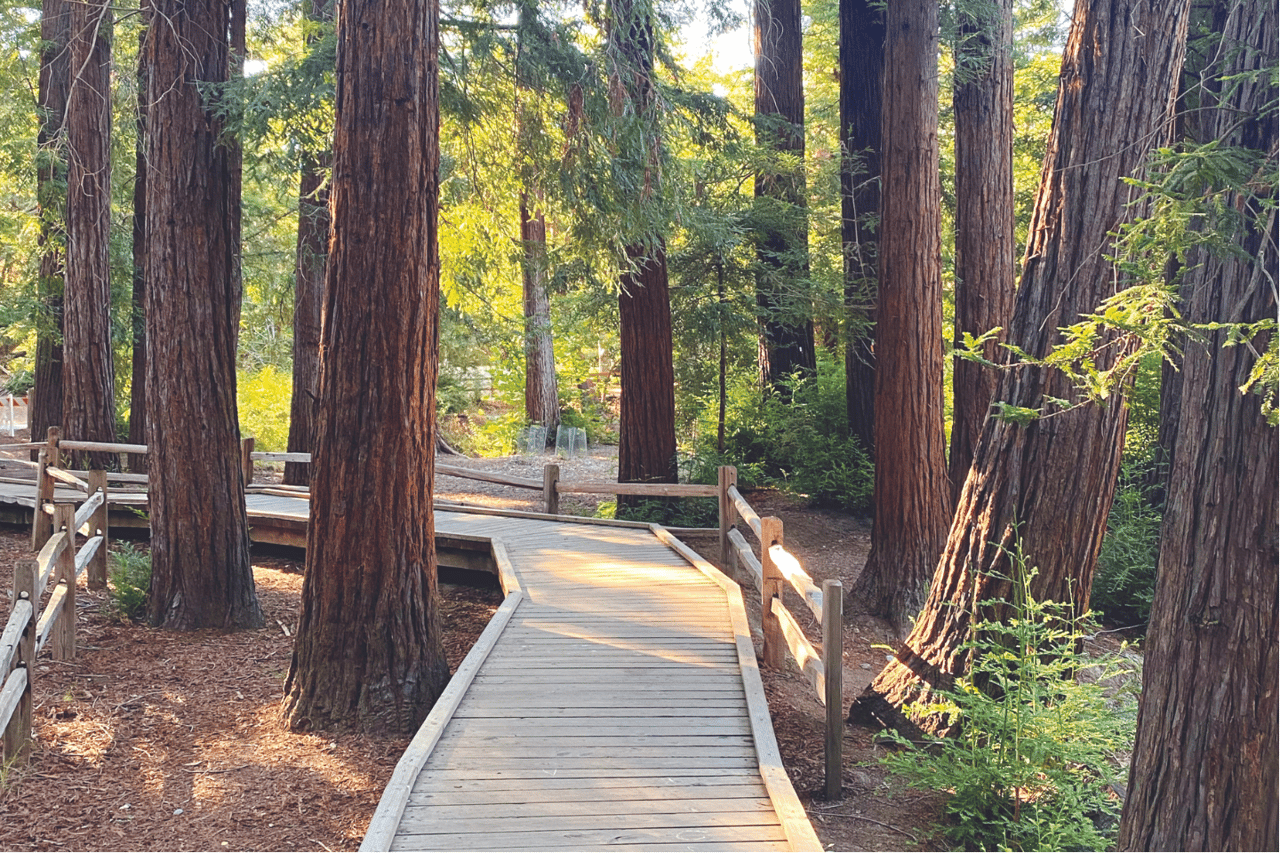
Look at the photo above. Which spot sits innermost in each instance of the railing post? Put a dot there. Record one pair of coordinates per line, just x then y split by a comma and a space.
833, 667
18, 732
41, 528
63, 636
97, 568
550, 479
775, 644
726, 476
246, 459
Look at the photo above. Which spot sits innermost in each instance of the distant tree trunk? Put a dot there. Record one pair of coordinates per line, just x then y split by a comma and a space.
646, 431
88, 374
910, 481
861, 84
541, 397
368, 654
308, 292
138, 384
1204, 768
235, 156
201, 576
786, 313
984, 270
1046, 487
55, 83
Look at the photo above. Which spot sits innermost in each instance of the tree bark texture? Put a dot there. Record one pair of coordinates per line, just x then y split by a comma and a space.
55, 83
201, 576
138, 367
368, 654
786, 311
1046, 487
88, 374
861, 84
984, 270
911, 470
1204, 769
541, 396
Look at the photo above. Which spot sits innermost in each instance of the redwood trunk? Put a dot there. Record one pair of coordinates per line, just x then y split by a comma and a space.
55, 83
861, 83
88, 375
984, 270
911, 474
1204, 768
786, 311
138, 384
201, 576
368, 654
541, 398
1047, 486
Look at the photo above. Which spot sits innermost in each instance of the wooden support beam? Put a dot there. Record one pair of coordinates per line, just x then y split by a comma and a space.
98, 526
64, 629
775, 644
726, 478
550, 490
833, 665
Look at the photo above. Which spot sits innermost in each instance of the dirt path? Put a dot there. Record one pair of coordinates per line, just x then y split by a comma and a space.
154, 740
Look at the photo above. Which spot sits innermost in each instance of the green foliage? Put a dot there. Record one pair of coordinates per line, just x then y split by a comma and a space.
1125, 580
130, 581
1035, 756
263, 399
802, 445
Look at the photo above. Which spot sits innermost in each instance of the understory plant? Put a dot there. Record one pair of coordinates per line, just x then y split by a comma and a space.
1034, 759
130, 581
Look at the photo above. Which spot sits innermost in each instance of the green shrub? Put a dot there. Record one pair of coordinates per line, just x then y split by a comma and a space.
1034, 760
263, 400
130, 581
1125, 580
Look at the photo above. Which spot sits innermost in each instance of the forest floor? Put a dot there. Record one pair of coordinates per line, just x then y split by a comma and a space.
157, 740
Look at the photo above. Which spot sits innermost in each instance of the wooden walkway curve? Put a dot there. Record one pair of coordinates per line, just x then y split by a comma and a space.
613, 702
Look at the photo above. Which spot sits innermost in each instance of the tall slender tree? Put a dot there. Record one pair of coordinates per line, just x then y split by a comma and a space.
138, 300
55, 83
1204, 770
861, 83
541, 395
983, 100
308, 288
201, 577
786, 313
368, 653
910, 476
1044, 487
88, 375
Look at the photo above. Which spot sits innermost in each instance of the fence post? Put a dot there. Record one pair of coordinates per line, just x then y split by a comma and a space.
63, 636
833, 667
97, 568
246, 459
18, 732
726, 476
41, 528
550, 479
771, 580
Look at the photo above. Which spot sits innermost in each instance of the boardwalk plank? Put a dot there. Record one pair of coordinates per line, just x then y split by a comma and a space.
542, 794
565, 839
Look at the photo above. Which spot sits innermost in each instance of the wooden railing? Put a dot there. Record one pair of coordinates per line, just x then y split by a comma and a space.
772, 570
29, 629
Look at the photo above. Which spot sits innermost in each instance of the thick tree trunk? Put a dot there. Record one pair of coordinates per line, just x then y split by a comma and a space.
55, 83
786, 314
138, 384
984, 270
201, 576
861, 83
911, 472
541, 397
88, 374
368, 654
1204, 768
1046, 487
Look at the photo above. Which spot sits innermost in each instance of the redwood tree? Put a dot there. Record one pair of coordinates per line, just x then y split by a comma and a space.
786, 314
88, 375
308, 292
54, 86
1204, 768
368, 653
541, 397
201, 577
138, 368
983, 99
861, 81
1045, 486
911, 474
